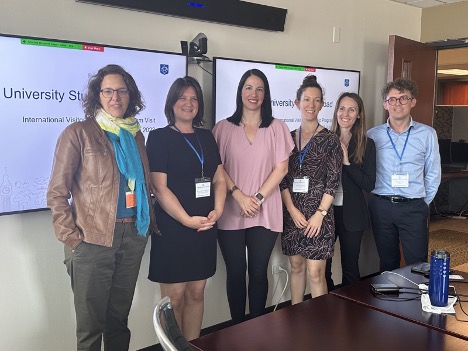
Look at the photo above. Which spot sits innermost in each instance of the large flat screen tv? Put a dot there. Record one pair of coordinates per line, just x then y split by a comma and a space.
42, 82
284, 80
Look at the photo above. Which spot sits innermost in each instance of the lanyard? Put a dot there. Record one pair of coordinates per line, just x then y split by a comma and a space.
393, 144
200, 157
304, 150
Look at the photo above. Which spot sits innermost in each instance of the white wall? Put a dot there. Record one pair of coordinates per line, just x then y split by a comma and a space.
35, 296
453, 18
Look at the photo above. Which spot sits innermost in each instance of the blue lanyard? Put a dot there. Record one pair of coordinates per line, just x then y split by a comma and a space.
393, 144
304, 150
200, 157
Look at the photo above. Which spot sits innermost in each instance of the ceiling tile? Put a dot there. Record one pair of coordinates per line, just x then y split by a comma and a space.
426, 3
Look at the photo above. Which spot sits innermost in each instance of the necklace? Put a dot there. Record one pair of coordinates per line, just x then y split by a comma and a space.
305, 141
250, 123
345, 139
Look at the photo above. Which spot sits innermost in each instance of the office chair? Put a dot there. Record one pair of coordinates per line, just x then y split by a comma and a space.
167, 330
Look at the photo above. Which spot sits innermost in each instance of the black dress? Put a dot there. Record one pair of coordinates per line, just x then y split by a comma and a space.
182, 254
322, 164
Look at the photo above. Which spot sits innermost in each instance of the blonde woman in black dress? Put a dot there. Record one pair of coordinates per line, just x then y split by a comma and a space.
307, 192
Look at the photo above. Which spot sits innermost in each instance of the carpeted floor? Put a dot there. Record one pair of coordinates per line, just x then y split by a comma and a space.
450, 235
462, 267
459, 225
452, 241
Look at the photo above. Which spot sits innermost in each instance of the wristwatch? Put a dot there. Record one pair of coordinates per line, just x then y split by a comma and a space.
322, 211
234, 188
259, 197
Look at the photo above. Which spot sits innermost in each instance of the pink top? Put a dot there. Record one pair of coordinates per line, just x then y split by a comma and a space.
249, 165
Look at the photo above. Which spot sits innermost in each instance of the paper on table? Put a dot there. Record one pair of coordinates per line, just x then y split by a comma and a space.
427, 306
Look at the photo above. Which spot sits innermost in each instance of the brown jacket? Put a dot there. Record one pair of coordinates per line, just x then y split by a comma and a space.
85, 170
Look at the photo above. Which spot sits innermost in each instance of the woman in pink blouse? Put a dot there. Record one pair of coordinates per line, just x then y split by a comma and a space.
254, 149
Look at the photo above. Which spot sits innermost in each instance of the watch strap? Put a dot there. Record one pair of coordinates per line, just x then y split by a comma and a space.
234, 188
322, 211
259, 197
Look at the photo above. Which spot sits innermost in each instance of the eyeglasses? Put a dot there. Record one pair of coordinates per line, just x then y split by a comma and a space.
108, 93
402, 99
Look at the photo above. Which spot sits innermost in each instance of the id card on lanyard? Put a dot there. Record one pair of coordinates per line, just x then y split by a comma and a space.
130, 196
301, 183
399, 179
202, 184
130, 199
202, 187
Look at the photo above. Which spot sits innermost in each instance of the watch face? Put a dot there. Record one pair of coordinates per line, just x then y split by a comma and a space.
259, 196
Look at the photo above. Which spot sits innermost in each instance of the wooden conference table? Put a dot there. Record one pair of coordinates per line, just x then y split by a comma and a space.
409, 310
328, 323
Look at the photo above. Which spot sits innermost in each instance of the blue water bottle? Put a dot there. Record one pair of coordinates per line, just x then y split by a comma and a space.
439, 278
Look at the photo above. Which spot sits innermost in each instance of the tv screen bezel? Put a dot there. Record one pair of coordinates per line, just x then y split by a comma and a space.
215, 59
66, 41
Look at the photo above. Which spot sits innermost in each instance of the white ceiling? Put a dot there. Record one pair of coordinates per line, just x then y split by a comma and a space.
426, 3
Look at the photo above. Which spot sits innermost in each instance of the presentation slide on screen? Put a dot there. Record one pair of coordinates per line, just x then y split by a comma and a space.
42, 83
284, 81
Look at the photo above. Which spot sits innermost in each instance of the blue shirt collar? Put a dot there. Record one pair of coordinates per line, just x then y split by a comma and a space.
411, 124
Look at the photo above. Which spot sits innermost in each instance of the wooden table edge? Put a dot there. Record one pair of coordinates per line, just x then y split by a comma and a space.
430, 326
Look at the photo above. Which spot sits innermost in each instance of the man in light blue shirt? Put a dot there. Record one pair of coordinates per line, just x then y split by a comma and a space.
408, 176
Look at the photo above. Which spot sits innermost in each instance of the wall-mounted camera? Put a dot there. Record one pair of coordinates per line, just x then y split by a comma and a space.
198, 46
196, 49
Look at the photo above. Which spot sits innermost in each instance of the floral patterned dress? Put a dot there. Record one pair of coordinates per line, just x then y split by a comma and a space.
322, 164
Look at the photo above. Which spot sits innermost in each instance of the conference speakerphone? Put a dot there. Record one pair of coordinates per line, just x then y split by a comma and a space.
421, 268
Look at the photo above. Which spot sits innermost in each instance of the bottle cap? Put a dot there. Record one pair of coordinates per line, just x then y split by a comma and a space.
440, 254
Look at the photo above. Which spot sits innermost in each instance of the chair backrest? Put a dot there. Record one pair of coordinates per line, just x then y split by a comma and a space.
167, 330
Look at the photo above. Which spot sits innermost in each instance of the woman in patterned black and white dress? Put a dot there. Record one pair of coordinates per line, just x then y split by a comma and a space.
307, 192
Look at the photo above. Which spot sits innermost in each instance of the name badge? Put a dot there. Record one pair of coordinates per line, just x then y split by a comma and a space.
400, 180
202, 187
301, 185
130, 199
